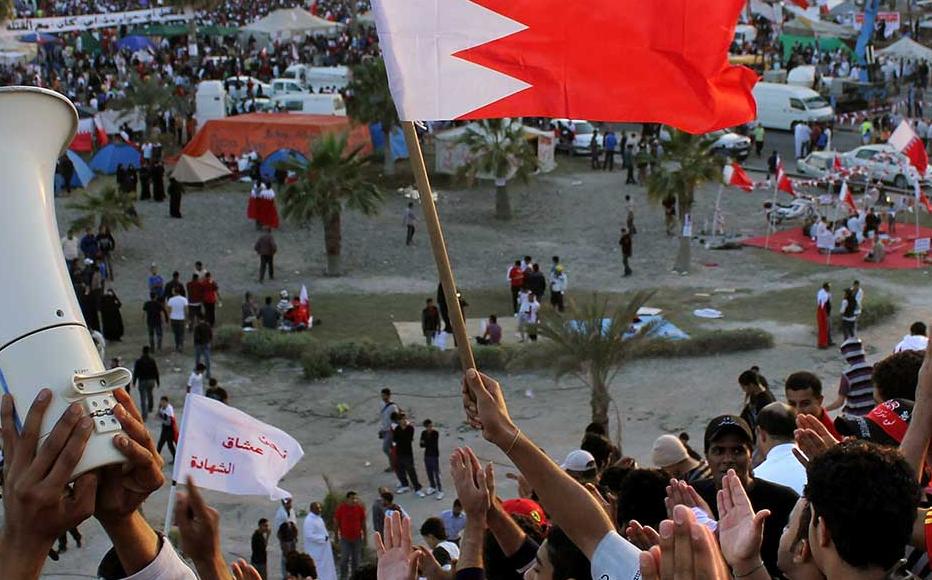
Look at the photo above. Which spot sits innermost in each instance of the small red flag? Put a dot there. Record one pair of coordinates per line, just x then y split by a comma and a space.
783, 180
736, 176
905, 140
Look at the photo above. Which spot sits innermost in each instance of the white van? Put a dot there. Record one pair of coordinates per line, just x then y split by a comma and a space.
783, 106
210, 102
315, 78
310, 104
287, 86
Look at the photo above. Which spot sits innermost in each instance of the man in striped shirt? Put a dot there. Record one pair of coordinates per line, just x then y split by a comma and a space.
856, 389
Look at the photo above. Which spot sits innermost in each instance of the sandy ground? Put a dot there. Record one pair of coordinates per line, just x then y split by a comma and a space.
574, 213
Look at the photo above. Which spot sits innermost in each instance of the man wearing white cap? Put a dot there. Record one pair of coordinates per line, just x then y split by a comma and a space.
671, 455
580, 465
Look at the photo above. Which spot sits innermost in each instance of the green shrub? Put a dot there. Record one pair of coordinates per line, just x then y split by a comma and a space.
272, 343
316, 363
876, 310
227, 337
705, 343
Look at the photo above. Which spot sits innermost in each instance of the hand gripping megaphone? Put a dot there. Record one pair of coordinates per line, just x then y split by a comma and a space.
44, 342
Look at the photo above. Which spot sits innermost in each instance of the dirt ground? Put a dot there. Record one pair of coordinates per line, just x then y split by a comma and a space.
573, 213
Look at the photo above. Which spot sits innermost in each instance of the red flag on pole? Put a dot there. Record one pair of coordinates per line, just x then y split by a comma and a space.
921, 197
845, 197
735, 176
783, 180
905, 140
837, 166
606, 60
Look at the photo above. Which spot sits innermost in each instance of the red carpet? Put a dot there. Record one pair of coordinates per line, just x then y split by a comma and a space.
896, 250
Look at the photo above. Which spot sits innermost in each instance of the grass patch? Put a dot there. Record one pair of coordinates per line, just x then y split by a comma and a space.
792, 306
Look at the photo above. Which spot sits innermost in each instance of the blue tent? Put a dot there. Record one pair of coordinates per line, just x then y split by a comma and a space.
83, 174
114, 154
270, 163
134, 42
399, 147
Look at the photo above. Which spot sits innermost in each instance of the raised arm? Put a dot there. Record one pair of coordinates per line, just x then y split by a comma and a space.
915, 444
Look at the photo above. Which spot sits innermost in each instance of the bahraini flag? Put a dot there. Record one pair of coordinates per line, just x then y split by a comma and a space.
905, 140
224, 449
664, 61
734, 175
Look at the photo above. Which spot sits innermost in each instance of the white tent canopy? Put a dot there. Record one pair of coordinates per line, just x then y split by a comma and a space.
451, 154
907, 48
292, 21
199, 170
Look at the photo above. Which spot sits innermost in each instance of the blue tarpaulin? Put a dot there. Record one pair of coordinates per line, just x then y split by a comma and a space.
661, 328
399, 147
270, 163
114, 154
39, 37
135, 42
83, 174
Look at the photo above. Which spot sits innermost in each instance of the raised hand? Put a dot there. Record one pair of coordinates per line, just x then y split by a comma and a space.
470, 480
123, 488
681, 493
397, 560
38, 504
524, 488
740, 529
644, 537
687, 551
199, 525
812, 439
429, 566
242, 570
486, 409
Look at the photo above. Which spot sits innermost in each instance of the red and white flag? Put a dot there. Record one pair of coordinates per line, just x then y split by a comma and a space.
783, 180
603, 60
838, 167
921, 197
735, 175
845, 197
804, 4
905, 140
224, 449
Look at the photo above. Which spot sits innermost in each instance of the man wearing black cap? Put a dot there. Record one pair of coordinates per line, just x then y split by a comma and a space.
728, 445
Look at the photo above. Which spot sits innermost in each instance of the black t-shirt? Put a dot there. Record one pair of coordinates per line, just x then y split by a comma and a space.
403, 438
153, 310
259, 544
779, 499
430, 442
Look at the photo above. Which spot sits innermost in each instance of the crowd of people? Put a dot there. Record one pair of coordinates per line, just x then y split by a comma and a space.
781, 491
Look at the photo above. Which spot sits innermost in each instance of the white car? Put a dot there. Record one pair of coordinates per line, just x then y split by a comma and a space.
575, 135
730, 144
884, 162
237, 87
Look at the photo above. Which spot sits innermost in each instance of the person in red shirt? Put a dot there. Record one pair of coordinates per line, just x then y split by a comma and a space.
516, 280
195, 289
350, 520
211, 298
298, 316
804, 393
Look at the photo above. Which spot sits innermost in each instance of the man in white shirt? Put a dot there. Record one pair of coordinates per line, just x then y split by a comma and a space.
177, 315
775, 426
917, 339
196, 380
317, 544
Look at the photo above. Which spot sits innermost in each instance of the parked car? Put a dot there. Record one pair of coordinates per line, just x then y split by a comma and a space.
730, 144
574, 136
884, 162
238, 87
286, 86
817, 164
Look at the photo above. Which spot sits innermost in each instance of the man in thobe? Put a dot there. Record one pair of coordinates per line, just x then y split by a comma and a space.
317, 544
824, 315
284, 514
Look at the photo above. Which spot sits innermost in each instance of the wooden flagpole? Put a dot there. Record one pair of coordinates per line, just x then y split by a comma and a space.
439, 246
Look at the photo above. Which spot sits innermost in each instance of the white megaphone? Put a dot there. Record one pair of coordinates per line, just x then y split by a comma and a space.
44, 341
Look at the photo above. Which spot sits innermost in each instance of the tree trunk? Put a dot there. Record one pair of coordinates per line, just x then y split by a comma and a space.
389, 158
600, 401
502, 201
684, 252
192, 38
333, 243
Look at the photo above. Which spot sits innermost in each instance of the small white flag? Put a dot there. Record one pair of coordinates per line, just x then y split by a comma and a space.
224, 449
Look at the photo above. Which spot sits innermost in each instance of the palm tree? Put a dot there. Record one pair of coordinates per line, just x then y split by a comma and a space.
499, 150
150, 96
371, 102
331, 180
592, 342
108, 208
687, 162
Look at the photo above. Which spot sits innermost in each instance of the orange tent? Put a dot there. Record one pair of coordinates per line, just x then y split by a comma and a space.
268, 132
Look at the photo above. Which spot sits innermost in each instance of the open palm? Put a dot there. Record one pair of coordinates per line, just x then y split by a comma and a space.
740, 529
